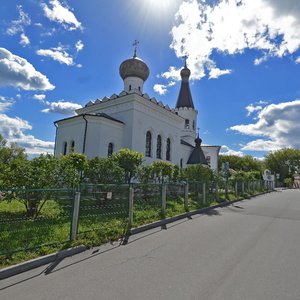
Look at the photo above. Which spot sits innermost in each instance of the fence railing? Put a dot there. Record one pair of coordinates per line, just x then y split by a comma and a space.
37, 219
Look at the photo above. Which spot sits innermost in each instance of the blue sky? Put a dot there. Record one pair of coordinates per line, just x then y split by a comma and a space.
244, 56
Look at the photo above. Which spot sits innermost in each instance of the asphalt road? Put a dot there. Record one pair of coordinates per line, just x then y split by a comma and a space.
250, 250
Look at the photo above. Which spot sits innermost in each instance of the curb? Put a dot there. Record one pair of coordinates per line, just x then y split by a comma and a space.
40, 261
187, 215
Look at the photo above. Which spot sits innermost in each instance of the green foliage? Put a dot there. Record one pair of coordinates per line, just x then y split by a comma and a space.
104, 171
71, 170
162, 171
284, 162
129, 161
241, 163
197, 173
245, 176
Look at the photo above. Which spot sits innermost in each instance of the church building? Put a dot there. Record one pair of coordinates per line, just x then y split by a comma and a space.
132, 119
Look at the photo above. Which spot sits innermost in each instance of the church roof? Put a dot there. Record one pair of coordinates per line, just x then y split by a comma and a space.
185, 97
101, 115
197, 155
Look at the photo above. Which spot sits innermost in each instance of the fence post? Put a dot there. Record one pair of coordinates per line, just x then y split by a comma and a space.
243, 187
186, 196
204, 193
75, 218
163, 199
217, 191
130, 216
236, 188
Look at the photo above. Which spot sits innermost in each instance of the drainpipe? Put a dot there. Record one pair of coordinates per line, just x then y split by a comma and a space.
55, 137
84, 137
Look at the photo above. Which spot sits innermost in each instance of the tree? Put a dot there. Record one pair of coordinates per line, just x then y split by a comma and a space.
197, 173
71, 170
241, 163
285, 162
104, 170
162, 171
129, 161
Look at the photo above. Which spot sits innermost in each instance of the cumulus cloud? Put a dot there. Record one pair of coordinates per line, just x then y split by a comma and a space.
5, 103
24, 40
18, 72
62, 107
252, 108
277, 127
298, 60
79, 46
39, 97
61, 14
17, 26
57, 54
162, 88
225, 150
14, 130
216, 73
229, 27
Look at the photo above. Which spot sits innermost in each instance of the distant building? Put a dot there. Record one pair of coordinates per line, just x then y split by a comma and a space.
133, 120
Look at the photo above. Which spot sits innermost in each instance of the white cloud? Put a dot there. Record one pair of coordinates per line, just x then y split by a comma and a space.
216, 73
277, 127
162, 89
298, 60
60, 14
24, 40
229, 27
62, 107
58, 54
14, 131
251, 109
79, 46
225, 150
39, 97
18, 72
5, 103
17, 26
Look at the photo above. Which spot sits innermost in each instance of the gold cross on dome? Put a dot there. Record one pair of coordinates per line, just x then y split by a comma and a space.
135, 44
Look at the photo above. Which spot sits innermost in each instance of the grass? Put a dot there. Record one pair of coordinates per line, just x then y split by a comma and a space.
100, 221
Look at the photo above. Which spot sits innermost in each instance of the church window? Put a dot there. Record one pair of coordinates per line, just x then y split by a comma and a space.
187, 124
181, 163
139, 88
110, 149
65, 147
168, 150
193, 124
148, 144
72, 148
158, 147
129, 87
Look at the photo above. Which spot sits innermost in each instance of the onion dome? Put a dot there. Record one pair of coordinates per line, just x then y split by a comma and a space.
134, 67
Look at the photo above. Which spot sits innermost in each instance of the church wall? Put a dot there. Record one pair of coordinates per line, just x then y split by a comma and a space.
70, 130
212, 152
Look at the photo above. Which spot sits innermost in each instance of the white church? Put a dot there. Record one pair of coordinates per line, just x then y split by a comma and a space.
134, 120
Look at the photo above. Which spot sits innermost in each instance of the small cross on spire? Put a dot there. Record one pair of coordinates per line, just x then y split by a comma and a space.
185, 59
135, 44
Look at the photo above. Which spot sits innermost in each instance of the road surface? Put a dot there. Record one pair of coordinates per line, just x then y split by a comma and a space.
249, 250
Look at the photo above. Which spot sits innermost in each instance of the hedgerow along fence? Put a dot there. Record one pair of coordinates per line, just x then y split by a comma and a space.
32, 219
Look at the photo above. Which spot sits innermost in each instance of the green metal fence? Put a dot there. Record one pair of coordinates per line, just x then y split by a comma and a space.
35, 219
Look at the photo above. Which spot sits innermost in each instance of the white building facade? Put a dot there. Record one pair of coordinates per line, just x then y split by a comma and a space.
133, 120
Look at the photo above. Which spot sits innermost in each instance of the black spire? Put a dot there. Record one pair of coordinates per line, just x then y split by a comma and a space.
197, 156
185, 97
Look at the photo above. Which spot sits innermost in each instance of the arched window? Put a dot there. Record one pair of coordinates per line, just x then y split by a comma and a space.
110, 149
129, 87
187, 124
65, 147
139, 88
158, 147
181, 163
168, 150
72, 148
148, 144
193, 124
